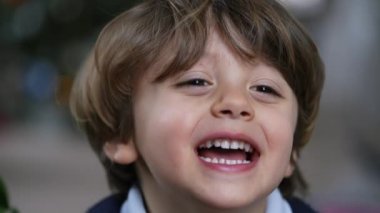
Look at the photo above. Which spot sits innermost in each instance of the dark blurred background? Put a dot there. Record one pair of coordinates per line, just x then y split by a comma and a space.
48, 166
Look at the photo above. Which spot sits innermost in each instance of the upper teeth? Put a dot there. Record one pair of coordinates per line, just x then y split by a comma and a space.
227, 144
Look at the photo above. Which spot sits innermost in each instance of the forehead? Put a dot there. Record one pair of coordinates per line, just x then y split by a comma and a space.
173, 60
219, 49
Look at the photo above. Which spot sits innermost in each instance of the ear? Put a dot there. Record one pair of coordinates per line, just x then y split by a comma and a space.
290, 168
122, 152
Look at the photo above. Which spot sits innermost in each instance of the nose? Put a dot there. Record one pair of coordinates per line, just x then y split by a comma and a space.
233, 104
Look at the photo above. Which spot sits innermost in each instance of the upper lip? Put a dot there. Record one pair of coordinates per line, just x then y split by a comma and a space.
230, 136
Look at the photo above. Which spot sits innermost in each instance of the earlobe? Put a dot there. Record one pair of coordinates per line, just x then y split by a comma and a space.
291, 165
120, 152
289, 170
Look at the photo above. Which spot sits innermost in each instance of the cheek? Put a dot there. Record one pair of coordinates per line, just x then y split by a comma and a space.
279, 131
279, 135
162, 131
162, 137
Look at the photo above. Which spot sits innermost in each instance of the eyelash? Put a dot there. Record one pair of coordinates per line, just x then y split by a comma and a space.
197, 82
266, 90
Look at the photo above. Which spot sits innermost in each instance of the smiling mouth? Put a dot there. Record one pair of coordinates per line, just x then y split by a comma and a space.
227, 152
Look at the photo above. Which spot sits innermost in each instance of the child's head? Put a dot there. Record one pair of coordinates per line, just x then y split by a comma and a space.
159, 63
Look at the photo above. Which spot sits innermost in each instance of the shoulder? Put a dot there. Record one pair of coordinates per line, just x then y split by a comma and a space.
110, 204
299, 206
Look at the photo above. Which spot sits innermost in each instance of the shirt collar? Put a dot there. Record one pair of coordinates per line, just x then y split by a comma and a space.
134, 203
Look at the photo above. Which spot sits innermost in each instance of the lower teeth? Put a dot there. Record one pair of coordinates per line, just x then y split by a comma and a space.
224, 161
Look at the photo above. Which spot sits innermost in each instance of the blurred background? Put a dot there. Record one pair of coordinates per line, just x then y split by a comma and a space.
48, 166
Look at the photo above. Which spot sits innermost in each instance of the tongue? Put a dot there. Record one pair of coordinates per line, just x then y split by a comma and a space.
223, 153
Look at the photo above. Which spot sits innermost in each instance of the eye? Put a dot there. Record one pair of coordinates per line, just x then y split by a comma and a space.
197, 82
194, 86
266, 90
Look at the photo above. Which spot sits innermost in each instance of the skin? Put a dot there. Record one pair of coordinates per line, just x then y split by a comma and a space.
223, 95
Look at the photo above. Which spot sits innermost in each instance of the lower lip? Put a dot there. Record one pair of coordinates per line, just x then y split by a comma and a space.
237, 168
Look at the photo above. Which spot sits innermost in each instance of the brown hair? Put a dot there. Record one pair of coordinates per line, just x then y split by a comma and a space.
173, 33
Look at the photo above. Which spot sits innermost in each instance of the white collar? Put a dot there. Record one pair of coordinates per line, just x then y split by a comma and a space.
277, 204
135, 204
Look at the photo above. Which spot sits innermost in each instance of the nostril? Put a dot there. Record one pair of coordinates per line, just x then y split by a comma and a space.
233, 110
245, 114
231, 113
226, 112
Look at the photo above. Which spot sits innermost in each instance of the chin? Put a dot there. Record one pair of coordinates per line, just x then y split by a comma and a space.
227, 200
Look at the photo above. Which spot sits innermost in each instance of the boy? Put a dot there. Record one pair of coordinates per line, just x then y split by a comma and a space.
201, 106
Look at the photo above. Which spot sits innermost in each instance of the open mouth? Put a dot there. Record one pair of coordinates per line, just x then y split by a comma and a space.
227, 152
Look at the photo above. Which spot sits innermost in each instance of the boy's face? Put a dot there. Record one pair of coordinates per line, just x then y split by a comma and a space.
248, 109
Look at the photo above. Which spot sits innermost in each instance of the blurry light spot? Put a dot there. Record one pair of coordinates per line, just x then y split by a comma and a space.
40, 80
28, 19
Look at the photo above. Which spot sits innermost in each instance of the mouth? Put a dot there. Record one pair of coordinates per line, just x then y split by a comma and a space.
225, 151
